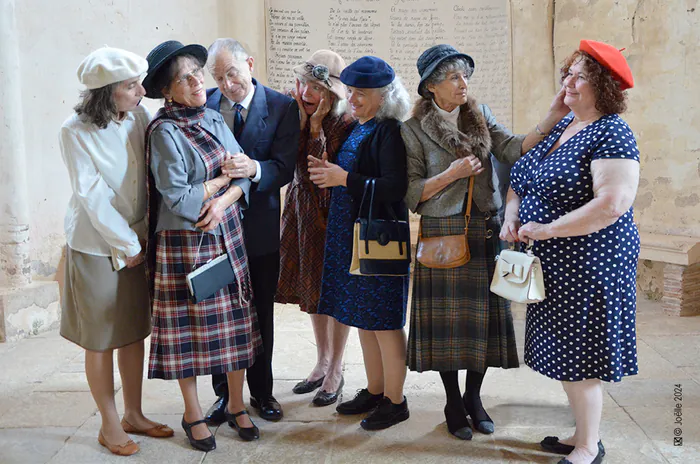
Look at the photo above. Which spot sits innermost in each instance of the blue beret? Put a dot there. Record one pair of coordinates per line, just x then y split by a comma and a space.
368, 72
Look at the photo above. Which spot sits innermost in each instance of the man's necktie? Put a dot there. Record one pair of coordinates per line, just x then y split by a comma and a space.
237, 120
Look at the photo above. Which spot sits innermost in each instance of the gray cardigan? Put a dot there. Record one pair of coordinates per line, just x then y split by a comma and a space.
179, 172
433, 143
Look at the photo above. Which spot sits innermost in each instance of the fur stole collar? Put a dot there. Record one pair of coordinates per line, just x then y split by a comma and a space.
472, 138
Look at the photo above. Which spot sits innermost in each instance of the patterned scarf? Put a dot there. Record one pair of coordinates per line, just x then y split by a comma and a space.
212, 152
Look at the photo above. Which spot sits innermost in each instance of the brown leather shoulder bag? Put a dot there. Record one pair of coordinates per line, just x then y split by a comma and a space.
446, 251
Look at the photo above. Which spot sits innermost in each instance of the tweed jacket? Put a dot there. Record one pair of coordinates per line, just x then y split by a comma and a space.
432, 144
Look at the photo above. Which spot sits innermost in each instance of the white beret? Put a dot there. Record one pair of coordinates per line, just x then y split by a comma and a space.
108, 65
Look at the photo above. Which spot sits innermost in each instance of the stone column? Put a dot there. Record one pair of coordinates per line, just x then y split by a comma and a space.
26, 308
14, 215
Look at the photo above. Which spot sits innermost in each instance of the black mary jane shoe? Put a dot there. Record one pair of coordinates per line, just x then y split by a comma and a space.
324, 398
457, 422
484, 426
307, 387
205, 444
553, 445
246, 433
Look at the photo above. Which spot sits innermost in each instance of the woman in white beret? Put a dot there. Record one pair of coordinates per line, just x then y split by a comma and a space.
105, 304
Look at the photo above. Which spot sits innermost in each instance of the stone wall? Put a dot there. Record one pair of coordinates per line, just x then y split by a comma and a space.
661, 40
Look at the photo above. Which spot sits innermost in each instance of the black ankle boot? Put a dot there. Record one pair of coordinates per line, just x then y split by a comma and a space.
457, 422
385, 415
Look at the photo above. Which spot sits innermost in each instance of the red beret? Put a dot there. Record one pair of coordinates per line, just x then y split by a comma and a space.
611, 59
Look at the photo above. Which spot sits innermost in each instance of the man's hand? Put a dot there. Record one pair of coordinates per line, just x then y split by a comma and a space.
239, 166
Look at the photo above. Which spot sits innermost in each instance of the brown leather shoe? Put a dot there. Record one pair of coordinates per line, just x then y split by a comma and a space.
125, 449
158, 431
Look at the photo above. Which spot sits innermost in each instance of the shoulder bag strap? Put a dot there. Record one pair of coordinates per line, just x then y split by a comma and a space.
468, 213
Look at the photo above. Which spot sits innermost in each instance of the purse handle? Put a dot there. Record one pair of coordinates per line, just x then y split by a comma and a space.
372, 183
467, 213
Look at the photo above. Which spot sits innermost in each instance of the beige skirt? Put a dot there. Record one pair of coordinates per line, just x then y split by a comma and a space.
103, 309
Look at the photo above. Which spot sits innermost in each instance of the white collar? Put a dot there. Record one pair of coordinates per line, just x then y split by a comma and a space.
449, 116
246, 101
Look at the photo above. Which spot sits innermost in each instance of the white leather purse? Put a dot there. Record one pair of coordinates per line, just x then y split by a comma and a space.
518, 277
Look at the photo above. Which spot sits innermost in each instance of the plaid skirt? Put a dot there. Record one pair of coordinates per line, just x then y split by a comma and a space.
215, 336
456, 322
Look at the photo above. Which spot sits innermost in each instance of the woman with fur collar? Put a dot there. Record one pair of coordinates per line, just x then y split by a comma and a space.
456, 323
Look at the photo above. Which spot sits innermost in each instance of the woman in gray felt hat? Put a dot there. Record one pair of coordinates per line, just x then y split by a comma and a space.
456, 323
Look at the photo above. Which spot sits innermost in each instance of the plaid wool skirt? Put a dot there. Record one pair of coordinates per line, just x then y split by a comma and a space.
215, 336
456, 322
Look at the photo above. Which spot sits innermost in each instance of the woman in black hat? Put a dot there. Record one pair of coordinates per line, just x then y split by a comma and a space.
456, 323
194, 216
375, 305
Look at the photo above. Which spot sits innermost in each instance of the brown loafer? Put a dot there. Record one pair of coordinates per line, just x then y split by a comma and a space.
125, 449
158, 431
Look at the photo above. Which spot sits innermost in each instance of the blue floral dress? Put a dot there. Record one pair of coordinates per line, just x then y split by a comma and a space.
365, 302
585, 328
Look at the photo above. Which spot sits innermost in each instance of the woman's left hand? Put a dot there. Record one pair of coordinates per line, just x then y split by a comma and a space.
558, 108
326, 174
211, 214
534, 231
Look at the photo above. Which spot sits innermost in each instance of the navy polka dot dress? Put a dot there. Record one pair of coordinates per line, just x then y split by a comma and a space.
585, 328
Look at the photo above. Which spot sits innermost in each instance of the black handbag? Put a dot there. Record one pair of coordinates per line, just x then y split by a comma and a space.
380, 247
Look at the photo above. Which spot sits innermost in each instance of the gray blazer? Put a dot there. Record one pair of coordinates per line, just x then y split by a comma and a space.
179, 173
432, 144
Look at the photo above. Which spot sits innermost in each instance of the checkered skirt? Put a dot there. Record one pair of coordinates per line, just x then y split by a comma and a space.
215, 336
456, 322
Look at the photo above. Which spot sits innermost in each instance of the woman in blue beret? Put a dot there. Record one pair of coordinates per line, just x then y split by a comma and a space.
374, 150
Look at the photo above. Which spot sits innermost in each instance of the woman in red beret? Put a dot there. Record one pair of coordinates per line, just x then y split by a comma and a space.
573, 195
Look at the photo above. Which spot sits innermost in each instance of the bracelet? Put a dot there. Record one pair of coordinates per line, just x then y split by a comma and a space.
539, 131
206, 189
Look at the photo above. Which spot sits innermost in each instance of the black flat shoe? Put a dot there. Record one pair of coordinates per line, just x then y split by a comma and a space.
363, 402
246, 433
215, 414
307, 387
457, 422
485, 426
205, 444
268, 408
553, 445
324, 398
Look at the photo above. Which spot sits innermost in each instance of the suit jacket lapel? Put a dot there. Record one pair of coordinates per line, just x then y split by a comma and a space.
255, 123
214, 100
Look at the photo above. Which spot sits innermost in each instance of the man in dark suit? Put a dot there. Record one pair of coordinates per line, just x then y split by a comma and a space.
266, 125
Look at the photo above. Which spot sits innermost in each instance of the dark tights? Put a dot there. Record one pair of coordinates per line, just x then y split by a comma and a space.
472, 396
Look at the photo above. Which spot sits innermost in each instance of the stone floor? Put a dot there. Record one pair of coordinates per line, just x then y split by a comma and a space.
48, 416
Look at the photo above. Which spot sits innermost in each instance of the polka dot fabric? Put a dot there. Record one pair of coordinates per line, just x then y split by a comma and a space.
585, 328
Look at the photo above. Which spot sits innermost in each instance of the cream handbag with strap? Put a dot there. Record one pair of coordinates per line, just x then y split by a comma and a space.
518, 277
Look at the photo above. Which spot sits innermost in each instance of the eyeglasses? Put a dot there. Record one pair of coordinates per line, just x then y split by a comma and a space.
192, 77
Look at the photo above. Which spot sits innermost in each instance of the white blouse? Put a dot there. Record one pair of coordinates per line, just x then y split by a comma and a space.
107, 173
